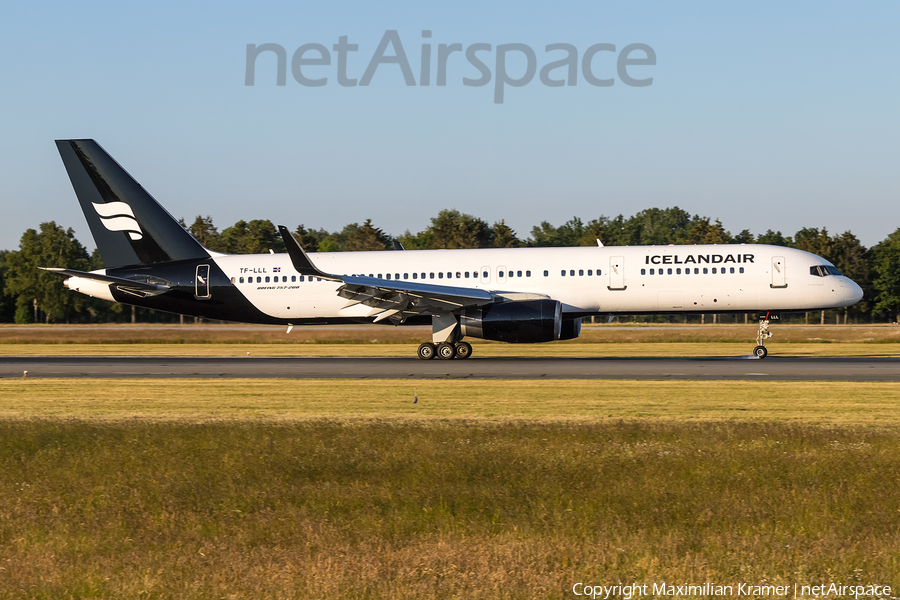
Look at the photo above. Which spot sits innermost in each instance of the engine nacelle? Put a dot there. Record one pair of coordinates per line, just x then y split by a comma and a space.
571, 329
514, 322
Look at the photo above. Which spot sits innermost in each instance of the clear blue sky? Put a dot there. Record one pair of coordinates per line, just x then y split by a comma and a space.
765, 115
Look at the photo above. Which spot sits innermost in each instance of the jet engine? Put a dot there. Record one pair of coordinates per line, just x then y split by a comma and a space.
527, 321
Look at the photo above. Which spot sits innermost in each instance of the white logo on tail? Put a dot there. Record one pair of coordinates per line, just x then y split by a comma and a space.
118, 216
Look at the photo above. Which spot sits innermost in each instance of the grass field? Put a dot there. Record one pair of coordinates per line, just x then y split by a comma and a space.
444, 509
483, 489
825, 403
120, 488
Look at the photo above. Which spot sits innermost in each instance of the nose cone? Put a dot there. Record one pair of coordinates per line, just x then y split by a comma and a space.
854, 292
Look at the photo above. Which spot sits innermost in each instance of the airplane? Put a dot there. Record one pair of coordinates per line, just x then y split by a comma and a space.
515, 295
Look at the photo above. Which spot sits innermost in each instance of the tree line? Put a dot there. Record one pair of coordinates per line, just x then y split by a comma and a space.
29, 295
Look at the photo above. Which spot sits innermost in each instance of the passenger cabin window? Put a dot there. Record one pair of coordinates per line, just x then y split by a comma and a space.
581, 272
527, 273
458, 275
643, 271
441, 275
293, 279
467, 274
415, 275
241, 280
563, 272
518, 273
546, 273
258, 279
590, 272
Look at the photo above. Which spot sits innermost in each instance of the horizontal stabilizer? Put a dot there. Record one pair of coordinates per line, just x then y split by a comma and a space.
138, 288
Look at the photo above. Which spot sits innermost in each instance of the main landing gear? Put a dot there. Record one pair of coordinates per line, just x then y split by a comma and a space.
762, 335
445, 350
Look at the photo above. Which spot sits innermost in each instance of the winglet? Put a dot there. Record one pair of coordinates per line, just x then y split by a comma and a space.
300, 260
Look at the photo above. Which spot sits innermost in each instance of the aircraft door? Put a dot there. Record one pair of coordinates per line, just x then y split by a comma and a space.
485, 274
201, 283
616, 273
778, 279
501, 274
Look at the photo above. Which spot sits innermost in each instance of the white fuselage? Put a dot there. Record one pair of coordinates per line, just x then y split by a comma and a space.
585, 280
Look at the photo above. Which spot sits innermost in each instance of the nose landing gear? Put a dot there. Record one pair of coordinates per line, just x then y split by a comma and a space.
762, 335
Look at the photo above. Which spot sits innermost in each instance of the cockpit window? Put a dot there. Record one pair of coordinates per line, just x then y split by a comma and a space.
824, 270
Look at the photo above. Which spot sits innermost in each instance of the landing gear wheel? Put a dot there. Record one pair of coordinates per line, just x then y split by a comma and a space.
761, 336
463, 350
446, 351
426, 351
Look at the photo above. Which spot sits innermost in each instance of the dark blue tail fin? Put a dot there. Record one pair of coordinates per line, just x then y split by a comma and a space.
129, 226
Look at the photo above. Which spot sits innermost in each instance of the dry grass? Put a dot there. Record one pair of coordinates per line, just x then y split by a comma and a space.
198, 400
437, 510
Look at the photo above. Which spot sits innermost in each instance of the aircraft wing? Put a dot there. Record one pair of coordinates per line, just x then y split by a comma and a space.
398, 300
392, 299
129, 286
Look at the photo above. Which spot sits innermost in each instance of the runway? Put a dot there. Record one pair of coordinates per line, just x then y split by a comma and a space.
705, 368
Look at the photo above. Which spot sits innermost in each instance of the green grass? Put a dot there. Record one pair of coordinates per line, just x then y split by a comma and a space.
438, 509
831, 403
304, 489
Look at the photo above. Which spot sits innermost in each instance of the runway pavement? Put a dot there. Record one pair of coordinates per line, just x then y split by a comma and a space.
733, 368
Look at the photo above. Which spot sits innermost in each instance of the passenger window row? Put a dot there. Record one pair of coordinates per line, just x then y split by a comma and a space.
284, 279
444, 274
687, 271
451, 275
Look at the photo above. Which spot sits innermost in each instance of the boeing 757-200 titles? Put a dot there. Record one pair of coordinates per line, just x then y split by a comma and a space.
511, 295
